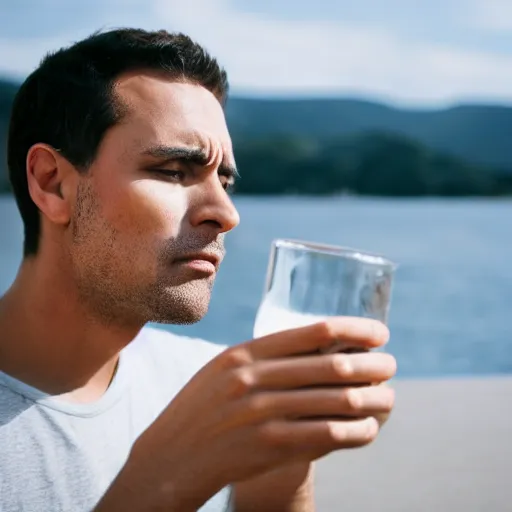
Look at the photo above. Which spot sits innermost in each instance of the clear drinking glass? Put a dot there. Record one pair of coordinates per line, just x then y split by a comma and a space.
307, 282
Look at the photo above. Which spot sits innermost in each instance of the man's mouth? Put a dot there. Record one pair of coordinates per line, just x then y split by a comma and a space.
207, 262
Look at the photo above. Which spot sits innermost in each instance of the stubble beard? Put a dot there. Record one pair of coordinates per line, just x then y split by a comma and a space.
104, 275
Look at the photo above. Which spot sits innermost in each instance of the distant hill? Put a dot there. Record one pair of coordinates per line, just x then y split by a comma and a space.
7, 92
479, 134
322, 145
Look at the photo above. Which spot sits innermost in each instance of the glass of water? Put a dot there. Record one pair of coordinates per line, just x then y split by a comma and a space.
307, 282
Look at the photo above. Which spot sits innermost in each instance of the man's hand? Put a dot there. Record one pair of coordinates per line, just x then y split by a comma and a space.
266, 403
286, 489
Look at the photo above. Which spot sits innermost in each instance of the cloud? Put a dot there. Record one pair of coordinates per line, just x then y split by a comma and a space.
18, 57
268, 56
279, 56
26, 35
491, 15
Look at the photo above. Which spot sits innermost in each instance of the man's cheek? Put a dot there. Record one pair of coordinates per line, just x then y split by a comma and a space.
154, 208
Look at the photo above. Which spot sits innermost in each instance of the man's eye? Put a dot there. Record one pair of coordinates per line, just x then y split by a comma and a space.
227, 183
172, 174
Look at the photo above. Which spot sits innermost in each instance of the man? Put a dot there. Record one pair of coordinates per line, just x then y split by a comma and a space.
120, 161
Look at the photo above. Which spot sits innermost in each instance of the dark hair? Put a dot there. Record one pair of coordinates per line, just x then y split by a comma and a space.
68, 101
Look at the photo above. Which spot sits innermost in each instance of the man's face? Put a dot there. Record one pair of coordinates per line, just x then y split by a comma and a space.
153, 206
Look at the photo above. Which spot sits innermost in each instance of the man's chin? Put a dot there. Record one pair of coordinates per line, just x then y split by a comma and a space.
186, 309
179, 320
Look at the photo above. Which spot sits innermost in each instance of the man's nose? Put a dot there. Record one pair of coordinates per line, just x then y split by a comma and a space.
212, 205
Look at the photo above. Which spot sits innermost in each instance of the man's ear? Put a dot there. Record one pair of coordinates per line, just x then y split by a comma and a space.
51, 182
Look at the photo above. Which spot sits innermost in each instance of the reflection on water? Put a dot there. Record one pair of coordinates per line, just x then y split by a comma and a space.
452, 295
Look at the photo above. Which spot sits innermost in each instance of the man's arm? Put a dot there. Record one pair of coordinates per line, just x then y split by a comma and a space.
253, 399
289, 489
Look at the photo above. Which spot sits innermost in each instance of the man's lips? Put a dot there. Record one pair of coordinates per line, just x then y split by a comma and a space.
207, 261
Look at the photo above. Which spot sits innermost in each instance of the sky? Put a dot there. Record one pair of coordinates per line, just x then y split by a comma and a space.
424, 53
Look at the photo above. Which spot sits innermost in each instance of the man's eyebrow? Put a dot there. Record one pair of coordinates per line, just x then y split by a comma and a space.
189, 154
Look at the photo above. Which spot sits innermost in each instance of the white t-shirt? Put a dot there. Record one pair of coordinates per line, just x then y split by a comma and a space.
61, 457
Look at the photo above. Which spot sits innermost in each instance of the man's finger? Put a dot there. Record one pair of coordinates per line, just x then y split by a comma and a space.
324, 370
360, 402
319, 437
358, 332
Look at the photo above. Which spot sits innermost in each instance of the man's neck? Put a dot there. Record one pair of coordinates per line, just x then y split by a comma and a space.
52, 342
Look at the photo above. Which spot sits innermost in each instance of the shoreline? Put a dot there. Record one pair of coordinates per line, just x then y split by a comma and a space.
454, 377
506, 198
446, 447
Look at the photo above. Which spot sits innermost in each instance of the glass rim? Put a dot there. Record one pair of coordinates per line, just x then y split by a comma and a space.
336, 250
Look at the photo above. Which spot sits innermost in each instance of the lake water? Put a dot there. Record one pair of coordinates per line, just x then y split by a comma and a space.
452, 302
